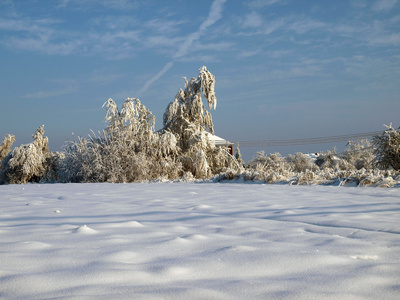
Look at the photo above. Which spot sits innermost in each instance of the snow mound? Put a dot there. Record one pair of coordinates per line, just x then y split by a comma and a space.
84, 230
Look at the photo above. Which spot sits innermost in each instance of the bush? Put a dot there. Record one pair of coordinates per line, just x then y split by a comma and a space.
6, 145
272, 161
387, 148
331, 160
26, 163
360, 154
301, 162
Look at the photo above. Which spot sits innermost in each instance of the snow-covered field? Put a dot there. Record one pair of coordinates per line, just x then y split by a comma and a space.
198, 241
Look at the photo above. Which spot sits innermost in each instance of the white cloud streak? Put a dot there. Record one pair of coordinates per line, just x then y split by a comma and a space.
110, 4
156, 77
384, 5
253, 19
256, 4
70, 86
214, 15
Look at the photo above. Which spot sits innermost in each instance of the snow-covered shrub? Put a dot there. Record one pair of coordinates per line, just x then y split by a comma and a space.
272, 161
127, 150
301, 162
277, 177
378, 178
243, 175
70, 168
238, 156
187, 177
6, 145
330, 159
271, 168
360, 154
307, 177
387, 148
26, 163
52, 166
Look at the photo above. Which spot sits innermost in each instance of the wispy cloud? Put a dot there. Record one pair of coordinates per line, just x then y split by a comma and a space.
89, 4
104, 77
358, 3
306, 25
43, 37
252, 19
67, 87
214, 15
384, 5
108, 37
42, 44
36, 35
158, 41
164, 26
104, 43
217, 46
7, 3
256, 4
27, 25
203, 58
250, 53
300, 25
376, 33
390, 39
260, 26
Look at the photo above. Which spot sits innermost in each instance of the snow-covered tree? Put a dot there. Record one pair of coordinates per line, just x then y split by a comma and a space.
190, 121
134, 118
238, 156
387, 148
26, 162
187, 111
6, 145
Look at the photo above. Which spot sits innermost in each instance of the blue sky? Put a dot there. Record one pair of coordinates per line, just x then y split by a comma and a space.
284, 69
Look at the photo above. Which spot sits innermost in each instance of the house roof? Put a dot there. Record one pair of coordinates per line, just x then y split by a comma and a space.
218, 140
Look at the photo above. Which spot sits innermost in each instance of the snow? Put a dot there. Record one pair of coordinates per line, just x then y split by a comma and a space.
218, 141
198, 241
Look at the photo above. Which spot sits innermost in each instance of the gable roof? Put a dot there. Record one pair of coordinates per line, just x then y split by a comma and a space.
218, 140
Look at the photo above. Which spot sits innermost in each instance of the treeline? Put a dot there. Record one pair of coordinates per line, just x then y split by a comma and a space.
130, 150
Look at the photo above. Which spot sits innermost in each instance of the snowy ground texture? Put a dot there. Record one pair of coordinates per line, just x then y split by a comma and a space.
198, 241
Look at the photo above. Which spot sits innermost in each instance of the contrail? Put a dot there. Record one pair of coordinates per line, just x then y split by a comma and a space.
214, 15
156, 77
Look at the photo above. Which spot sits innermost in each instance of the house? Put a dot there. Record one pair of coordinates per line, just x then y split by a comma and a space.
220, 142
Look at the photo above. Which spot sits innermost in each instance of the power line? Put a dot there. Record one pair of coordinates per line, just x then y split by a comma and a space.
307, 141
